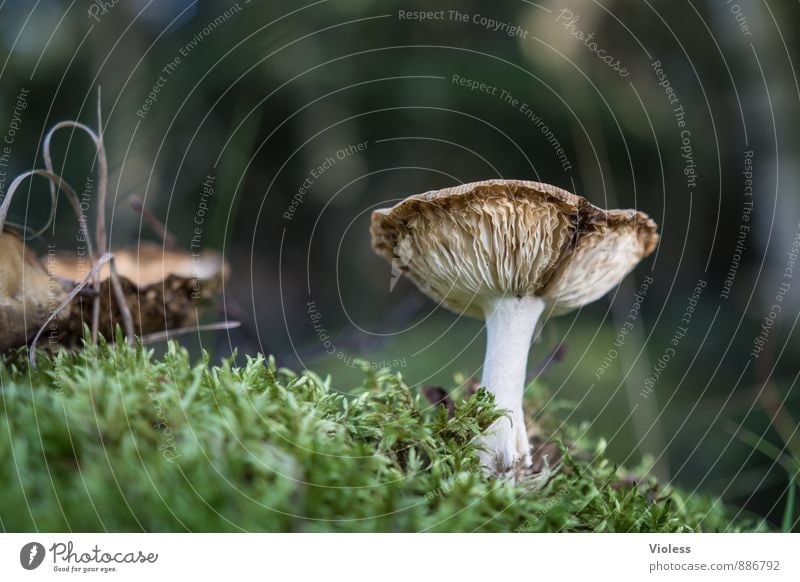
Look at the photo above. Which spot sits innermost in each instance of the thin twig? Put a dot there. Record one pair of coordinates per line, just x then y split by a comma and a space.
153, 222
102, 184
6, 204
124, 309
102, 180
101, 168
72, 294
159, 336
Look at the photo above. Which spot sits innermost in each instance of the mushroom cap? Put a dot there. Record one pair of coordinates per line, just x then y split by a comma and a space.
27, 293
145, 265
163, 288
468, 245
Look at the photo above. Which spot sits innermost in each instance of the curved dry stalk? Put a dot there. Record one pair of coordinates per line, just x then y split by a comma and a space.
26, 231
102, 173
93, 273
24, 227
6, 204
102, 170
102, 164
158, 336
119, 295
102, 177
153, 222
55, 180
102, 180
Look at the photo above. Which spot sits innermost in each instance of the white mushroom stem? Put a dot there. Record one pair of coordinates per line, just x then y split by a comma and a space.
510, 323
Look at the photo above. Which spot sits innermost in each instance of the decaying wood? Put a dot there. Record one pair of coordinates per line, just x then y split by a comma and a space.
163, 289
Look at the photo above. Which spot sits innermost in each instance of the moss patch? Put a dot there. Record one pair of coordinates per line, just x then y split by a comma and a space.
111, 438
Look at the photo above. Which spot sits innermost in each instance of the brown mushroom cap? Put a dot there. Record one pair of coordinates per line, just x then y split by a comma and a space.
466, 245
27, 293
145, 265
163, 288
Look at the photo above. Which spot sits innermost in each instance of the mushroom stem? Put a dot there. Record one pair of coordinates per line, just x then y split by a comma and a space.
510, 323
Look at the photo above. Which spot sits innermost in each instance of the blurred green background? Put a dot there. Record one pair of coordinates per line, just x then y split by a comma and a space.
260, 94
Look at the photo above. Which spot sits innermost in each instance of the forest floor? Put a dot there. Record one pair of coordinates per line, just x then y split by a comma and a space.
114, 439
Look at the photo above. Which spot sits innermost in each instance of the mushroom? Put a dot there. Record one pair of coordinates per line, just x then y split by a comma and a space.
163, 288
508, 251
27, 293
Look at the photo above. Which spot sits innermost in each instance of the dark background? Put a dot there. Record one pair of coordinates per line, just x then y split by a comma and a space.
271, 91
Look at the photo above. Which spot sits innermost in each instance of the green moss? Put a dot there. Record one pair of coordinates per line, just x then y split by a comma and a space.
112, 439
